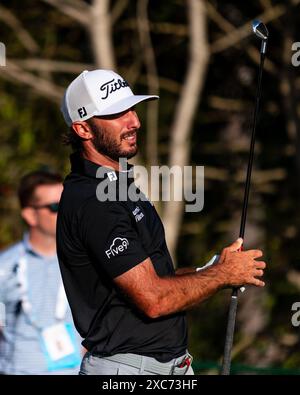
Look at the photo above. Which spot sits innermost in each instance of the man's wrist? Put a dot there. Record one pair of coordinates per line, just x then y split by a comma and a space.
211, 262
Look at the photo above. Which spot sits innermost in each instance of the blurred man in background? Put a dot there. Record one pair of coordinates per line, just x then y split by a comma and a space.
38, 336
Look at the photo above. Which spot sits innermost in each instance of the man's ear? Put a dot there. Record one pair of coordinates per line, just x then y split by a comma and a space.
83, 130
29, 216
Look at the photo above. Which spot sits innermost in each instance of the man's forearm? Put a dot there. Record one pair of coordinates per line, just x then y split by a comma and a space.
157, 296
183, 291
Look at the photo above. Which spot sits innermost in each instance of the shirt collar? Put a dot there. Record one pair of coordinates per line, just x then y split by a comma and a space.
27, 245
85, 167
29, 249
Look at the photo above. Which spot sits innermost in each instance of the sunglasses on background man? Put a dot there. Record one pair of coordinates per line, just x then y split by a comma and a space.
53, 207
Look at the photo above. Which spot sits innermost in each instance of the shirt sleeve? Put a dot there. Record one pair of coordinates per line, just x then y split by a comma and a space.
111, 237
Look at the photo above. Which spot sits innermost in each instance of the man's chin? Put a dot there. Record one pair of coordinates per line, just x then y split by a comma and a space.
131, 154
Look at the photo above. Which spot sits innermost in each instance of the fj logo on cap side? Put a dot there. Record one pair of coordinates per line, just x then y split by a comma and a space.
82, 112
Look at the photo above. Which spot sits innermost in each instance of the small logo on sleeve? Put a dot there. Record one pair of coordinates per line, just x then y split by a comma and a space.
118, 246
138, 215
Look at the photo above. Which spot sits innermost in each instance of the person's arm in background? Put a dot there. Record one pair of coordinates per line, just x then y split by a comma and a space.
5, 280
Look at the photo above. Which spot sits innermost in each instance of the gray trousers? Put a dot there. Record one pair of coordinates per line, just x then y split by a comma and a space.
94, 365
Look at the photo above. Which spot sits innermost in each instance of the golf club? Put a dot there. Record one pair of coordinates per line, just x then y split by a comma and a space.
261, 32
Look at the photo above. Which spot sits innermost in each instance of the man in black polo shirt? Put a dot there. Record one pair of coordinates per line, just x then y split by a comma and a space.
128, 302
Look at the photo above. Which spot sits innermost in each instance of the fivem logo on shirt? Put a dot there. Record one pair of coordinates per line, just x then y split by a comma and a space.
118, 246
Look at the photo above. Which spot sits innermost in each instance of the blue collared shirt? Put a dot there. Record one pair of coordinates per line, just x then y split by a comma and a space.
20, 347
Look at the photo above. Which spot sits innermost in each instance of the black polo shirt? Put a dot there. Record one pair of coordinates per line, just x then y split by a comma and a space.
100, 240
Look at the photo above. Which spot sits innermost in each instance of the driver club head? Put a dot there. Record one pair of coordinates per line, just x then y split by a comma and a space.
260, 29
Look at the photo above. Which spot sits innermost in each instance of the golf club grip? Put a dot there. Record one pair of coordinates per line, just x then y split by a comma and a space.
229, 333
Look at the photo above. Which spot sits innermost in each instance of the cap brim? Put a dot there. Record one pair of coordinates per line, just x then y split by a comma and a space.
125, 104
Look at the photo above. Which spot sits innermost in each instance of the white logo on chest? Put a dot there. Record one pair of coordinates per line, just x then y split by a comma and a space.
112, 176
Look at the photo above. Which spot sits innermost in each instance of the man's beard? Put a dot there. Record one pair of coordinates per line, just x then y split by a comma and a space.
109, 146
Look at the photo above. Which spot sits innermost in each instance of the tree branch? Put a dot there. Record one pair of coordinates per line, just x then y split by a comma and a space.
43, 87
185, 110
159, 28
227, 27
164, 83
77, 10
152, 79
52, 66
232, 38
13, 22
101, 35
244, 31
118, 10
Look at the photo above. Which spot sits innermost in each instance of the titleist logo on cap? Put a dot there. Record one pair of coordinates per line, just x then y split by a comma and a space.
112, 86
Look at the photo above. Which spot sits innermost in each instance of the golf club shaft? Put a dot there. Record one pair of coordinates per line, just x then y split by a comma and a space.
234, 296
252, 146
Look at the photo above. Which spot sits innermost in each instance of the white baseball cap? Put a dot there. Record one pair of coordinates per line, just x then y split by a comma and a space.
98, 93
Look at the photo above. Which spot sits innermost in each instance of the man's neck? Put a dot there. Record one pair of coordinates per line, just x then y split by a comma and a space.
92, 155
41, 243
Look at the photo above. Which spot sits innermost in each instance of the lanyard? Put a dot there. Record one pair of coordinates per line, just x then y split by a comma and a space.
61, 299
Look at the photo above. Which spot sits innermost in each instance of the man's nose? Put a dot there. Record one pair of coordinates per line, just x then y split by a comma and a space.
133, 120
